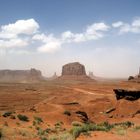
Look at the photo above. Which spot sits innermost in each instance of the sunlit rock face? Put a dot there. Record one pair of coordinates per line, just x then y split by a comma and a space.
75, 68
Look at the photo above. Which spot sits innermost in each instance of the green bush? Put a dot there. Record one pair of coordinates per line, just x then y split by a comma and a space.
23, 118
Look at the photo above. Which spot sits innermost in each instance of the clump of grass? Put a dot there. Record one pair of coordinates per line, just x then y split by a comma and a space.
121, 131
43, 138
126, 124
61, 136
23, 118
40, 132
136, 128
7, 114
68, 113
76, 123
38, 120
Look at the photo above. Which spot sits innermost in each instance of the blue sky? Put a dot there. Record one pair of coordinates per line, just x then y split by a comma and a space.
45, 34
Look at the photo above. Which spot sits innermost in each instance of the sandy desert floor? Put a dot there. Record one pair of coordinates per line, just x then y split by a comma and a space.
68, 110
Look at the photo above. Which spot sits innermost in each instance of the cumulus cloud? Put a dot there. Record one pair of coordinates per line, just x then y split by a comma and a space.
26, 32
51, 43
16, 42
10, 35
134, 27
93, 32
117, 24
27, 27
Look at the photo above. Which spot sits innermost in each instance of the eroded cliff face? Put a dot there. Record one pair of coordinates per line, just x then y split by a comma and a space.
75, 69
21, 76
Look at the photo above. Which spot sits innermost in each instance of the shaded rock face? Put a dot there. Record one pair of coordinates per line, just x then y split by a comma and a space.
22, 76
127, 94
75, 69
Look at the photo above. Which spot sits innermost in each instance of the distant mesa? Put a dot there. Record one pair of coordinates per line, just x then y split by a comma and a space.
74, 70
20, 76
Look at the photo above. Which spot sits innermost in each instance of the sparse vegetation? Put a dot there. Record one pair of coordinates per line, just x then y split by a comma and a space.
7, 114
76, 123
136, 128
38, 120
23, 118
68, 113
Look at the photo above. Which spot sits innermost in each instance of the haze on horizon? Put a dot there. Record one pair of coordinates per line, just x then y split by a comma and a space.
44, 34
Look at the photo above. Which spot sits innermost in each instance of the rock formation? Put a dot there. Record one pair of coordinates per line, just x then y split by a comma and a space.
127, 94
20, 76
135, 78
74, 71
75, 68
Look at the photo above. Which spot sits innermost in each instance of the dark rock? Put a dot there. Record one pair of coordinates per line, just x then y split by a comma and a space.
127, 94
83, 115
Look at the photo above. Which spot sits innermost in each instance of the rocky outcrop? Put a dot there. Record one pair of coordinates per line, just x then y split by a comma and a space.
20, 76
74, 71
127, 94
75, 68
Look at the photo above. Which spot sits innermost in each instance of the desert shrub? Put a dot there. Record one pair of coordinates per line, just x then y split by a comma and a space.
23, 118
43, 138
68, 113
61, 136
136, 128
48, 130
126, 124
120, 131
85, 128
7, 114
40, 132
106, 126
38, 120
76, 123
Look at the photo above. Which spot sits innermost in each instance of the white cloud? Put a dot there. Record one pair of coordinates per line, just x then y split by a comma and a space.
50, 47
93, 32
134, 27
117, 24
10, 34
27, 27
13, 43
50, 43
25, 32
